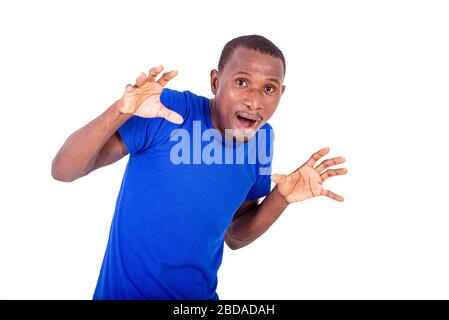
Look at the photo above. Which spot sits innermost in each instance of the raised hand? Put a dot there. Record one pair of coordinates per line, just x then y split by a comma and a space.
306, 182
143, 98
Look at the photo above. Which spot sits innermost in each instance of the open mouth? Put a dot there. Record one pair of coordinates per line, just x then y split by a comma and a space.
245, 122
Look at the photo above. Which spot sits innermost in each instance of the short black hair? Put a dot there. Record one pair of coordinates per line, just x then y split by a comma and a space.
255, 42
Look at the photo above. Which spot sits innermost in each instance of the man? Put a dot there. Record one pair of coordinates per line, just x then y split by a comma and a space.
178, 204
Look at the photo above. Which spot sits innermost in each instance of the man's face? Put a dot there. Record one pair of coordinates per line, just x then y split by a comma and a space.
247, 91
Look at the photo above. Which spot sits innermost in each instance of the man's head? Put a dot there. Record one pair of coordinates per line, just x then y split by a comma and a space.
247, 85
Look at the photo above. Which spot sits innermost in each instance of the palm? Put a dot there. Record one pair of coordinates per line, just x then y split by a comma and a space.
143, 99
307, 181
146, 98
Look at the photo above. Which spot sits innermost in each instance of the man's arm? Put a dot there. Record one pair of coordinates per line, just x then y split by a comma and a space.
253, 219
98, 144
95, 145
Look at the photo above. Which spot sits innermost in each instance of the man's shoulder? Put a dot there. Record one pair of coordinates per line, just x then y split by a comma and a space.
267, 132
266, 126
185, 96
265, 139
183, 102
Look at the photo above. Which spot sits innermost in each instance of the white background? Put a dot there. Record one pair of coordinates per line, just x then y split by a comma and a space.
369, 79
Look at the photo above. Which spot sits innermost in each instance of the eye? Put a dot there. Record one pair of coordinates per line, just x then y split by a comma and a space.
241, 82
269, 89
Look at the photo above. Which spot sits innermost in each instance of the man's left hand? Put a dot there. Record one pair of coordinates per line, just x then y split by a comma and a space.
306, 182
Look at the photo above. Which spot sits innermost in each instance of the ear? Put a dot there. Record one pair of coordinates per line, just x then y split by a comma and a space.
214, 81
282, 90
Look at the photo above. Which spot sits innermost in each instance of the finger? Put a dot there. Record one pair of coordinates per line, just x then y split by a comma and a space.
169, 115
333, 172
166, 77
330, 194
140, 80
152, 74
129, 88
278, 178
329, 163
316, 156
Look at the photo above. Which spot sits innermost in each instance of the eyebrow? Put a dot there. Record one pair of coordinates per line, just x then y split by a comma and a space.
271, 79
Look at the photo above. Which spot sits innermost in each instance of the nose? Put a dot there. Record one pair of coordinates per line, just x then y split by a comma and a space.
252, 100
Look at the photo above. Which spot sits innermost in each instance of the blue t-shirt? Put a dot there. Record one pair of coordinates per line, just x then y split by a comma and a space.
175, 204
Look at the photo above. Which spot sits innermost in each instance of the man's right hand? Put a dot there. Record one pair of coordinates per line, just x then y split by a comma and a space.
143, 99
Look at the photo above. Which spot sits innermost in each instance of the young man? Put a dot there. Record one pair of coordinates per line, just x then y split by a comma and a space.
186, 190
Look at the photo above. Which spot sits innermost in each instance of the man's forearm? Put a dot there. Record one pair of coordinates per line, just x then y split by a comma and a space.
79, 151
254, 223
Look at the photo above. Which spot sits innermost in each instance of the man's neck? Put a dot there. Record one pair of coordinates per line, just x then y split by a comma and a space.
215, 122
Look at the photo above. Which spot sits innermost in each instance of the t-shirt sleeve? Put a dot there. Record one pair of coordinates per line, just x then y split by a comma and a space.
138, 133
262, 186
